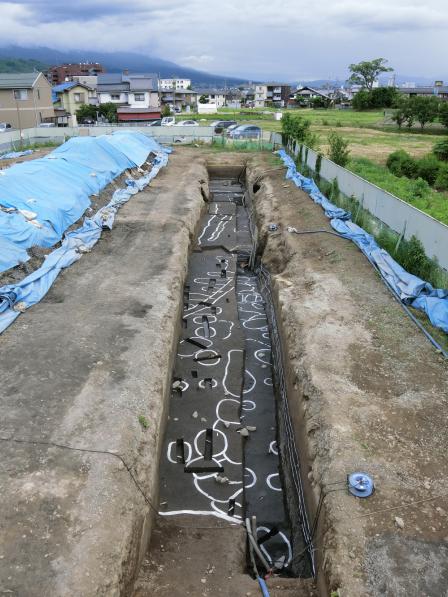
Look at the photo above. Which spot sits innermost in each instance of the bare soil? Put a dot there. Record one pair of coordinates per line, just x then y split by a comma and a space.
368, 392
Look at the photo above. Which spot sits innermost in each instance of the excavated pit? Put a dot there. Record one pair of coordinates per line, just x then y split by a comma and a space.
229, 452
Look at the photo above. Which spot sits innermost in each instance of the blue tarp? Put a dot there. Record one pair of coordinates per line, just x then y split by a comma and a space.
15, 298
409, 288
43, 197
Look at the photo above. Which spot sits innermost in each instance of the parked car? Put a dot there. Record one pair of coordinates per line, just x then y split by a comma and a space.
87, 121
168, 121
245, 131
157, 122
4, 126
232, 127
187, 123
222, 125
47, 125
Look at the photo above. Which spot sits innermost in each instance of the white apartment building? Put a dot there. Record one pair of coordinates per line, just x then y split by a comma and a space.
166, 84
260, 96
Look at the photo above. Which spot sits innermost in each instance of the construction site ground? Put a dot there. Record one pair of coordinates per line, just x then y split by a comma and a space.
85, 384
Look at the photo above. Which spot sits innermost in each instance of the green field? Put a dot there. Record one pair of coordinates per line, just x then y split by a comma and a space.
369, 136
430, 201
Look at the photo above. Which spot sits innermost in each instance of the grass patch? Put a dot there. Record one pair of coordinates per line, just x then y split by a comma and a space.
415, 192
34, 146
344, 118
143, 421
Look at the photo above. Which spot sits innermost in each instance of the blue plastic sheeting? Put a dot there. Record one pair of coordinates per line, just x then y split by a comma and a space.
15, 154
410, 289
310, 187
46, 196
9, 253
16, 298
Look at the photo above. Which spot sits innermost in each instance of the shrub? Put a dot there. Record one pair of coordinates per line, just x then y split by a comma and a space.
420, 188
428, 168
338, 152
441, 150
401, 163
415, 260
295, 128
441, 182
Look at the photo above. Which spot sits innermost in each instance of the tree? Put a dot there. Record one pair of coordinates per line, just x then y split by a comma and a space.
203, 99
166, 110
443, 113
108, 110
86, 112
402, 111
365, 73
424, 109
296, 129
320, 102
361, 100
441, 150
338, 151
383, 97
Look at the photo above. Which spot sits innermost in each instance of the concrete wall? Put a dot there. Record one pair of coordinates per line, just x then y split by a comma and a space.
392, 211
10, 141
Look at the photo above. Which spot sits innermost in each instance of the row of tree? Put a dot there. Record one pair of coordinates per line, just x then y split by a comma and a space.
421, 109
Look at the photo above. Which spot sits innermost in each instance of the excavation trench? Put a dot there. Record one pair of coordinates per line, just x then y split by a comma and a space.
229, 453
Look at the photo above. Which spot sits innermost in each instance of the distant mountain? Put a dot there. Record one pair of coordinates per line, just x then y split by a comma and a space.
117, 62
20, 65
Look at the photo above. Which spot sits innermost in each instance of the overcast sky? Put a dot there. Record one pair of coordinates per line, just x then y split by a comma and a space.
260, 39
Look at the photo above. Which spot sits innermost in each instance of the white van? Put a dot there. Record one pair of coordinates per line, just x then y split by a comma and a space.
168, 121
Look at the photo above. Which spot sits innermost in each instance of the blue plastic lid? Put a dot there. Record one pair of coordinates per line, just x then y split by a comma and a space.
360, 484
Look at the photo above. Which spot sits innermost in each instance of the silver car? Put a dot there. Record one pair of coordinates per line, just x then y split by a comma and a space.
245, 131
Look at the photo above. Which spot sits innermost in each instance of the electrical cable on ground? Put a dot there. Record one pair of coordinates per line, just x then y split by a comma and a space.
90, 451
433, 341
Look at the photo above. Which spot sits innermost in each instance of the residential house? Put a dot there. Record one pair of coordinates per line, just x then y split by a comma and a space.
168, 84
89, 80
213, 96
305, 95
69, 97
136, 95
248, 96
438, 90
272, 94
25, 99
64, 72
182, 99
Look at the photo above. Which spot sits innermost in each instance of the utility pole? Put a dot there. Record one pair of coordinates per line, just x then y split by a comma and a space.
18, 118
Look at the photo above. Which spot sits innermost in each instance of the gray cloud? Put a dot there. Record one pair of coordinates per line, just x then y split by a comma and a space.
289, 39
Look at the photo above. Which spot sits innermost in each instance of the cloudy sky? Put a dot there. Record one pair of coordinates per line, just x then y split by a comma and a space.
261, 39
